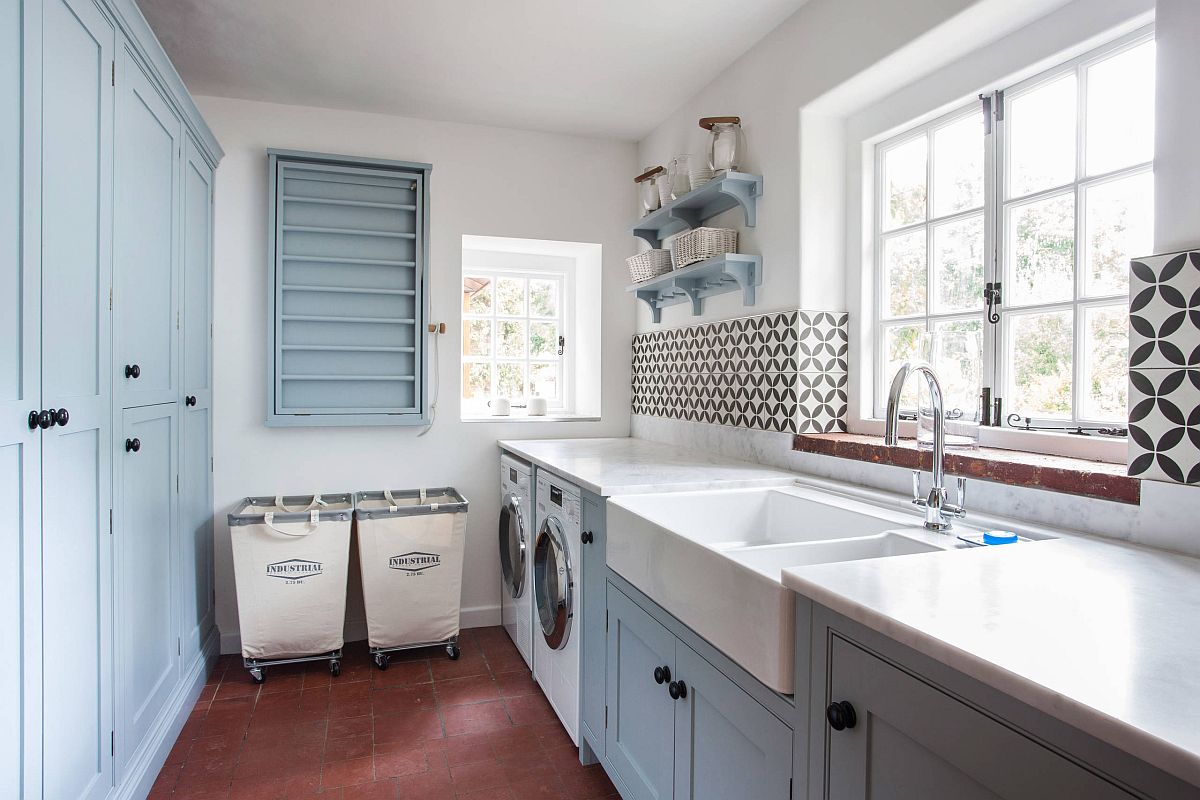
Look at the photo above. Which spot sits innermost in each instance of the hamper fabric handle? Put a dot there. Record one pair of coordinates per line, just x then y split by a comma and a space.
314, 517
392, 505
316, 501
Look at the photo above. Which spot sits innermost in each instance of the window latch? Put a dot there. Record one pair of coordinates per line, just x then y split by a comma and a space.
991, 296
562, 342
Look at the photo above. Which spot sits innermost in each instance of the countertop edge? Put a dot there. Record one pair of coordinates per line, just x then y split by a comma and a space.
1160, 753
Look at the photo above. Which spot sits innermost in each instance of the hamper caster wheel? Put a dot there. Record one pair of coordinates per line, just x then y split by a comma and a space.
452, 651
382, 660
258, 674
335, 667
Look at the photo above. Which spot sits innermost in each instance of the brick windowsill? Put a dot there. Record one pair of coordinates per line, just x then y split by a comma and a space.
1015, 468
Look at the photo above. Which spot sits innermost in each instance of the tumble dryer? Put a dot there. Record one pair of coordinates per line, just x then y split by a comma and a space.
516, 553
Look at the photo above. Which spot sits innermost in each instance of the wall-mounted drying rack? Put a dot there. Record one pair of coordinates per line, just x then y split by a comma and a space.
719, 275
720, 194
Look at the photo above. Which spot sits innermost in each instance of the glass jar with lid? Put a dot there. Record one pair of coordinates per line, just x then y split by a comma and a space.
726, 145
648, 189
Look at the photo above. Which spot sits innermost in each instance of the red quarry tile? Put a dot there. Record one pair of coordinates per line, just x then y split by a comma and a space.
349, 747
164, 784
280, 681
386, 789
237, 683
432, 785
393, 700
516, 683
467, 664
276, 760
460, 691
466, 749
178, 752
476, 718
350, 726
540, 788
530, 709
587, 783
402, 673
472, 777
283, 783
412, 727
398, 759
347, 773
495, 793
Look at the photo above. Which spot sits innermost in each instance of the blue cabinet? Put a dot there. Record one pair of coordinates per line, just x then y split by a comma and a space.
592, 654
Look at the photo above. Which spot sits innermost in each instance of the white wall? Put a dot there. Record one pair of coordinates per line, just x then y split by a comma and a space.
1177, 133
487, 181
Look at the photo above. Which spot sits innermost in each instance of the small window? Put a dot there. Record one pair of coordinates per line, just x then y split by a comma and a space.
347, 290
1041, 197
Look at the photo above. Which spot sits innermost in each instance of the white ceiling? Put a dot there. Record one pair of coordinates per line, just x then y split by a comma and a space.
595, 67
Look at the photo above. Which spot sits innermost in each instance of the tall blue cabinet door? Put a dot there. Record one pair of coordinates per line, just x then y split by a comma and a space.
78, 46
639, 740
592, 656
20, 393
147, 642
726, 744
195, 422
145, 246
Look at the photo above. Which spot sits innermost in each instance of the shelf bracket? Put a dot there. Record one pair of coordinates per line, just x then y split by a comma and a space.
693, 290
651, 297
743, 273
648, 236
745, 194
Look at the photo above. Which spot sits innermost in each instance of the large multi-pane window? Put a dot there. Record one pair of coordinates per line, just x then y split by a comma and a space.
1003, 236
513, 338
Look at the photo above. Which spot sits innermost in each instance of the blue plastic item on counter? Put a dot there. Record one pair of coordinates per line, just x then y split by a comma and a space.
999, 537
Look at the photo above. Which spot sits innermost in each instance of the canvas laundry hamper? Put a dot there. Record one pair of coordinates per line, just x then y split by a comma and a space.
290, 564
410, 547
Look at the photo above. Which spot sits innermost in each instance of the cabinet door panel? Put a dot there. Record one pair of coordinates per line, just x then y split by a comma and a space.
78, 44
145, 244
913, 740
639, 739
726, 744
195, 465
148, 658
592, 657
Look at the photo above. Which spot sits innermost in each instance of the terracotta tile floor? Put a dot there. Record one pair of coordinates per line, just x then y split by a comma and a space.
428, 727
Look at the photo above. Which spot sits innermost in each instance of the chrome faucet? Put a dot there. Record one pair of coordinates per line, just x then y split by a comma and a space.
938, 509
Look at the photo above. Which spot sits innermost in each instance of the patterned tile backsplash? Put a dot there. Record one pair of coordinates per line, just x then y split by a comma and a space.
1164, 367
784, 371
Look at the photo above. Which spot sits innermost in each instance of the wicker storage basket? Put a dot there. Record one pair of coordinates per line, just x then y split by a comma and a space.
649, 264
701, 243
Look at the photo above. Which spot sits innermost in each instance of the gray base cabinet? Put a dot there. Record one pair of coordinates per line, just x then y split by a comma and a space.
678, 727
592, 653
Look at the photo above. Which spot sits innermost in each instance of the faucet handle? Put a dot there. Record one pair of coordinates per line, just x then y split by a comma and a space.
916, 484
959, 509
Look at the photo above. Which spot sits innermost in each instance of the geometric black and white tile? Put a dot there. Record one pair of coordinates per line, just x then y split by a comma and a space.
746, 372
1164, 367
1164, 311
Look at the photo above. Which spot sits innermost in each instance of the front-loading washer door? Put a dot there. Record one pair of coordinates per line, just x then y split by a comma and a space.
553, 584
512, 545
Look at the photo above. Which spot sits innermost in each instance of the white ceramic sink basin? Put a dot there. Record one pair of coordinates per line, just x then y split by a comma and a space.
714, 559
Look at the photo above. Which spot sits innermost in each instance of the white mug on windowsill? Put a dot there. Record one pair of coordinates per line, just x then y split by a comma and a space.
500, 407
537, 407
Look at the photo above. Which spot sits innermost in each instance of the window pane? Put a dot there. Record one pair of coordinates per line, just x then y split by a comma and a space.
958, 166
543, 381
1039, 359
1041, 251
904, 184
1118, 225
510, 297
543, 298
904, 273
477, 295
1041, 130
543, 340
510, 380
511, 339
899, 345
957, 358
958, 265
477, 382
1105, 366
1120, 110
477, 337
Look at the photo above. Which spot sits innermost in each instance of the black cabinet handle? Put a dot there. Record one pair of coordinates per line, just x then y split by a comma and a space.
586, 537
44, 420
841, 715
662, 675
190, 400
677, 690
133, 371
59, 417
133, 445
35, 419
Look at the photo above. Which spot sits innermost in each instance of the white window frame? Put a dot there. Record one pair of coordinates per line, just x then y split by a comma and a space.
564, 404
996, 203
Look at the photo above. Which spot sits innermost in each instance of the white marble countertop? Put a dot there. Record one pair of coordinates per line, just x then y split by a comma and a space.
1103, 636
634, 466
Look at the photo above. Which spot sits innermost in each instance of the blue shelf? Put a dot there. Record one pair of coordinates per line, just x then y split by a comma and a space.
693, 283
720, 194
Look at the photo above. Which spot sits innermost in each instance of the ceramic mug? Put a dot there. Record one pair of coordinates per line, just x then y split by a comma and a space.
500, 407
537, 406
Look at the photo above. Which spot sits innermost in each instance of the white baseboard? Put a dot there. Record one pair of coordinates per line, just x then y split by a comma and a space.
152, 754
356, 629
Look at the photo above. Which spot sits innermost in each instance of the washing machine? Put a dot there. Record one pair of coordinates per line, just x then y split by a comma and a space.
556, 628
516, 553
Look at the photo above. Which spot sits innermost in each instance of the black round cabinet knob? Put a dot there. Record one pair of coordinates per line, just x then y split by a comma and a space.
44, 420
677, 690
587, 537
34, 416
133, 371
60, 417
662, 675
133, 445
841, 716
190, 400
